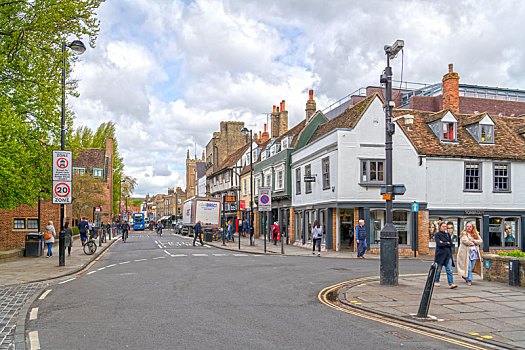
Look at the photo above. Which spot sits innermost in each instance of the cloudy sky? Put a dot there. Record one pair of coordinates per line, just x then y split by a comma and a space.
168, 71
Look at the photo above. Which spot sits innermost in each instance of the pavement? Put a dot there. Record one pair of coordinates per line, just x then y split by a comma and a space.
487, 310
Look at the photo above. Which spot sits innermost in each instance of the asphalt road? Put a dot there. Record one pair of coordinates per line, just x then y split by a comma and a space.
163, 293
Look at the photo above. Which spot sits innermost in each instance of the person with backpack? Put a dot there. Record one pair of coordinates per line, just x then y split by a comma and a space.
49, 237
275, 232
317, 237
125, 228
83, 228
360, 236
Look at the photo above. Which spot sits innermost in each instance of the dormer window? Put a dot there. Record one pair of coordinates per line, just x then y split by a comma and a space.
445, 128
487, 133
449, 131
483, 131
284, 143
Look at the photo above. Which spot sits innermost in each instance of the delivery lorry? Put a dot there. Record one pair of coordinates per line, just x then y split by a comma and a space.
205, 210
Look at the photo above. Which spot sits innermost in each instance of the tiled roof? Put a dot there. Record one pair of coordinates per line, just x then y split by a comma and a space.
508, 144
348, 119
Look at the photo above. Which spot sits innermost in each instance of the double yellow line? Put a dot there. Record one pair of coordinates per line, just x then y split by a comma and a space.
323, 298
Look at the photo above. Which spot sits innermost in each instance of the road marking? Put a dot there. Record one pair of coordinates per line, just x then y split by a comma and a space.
323, 298
140, 260
165, 251
102, 268
124, 262
159, 257
240, 254
89, 273
69, 280
33, 314
178, 255
111, 265
33, 340
219, 254
42, 297
199, 254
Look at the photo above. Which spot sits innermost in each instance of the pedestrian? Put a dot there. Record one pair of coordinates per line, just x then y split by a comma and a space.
360, 235
197, 231
108, 229
49, 237
229, 232
245, 227
83, 228
317, 237
69, 237
443, 255
125, 229
275, 232
468, 252
91, 227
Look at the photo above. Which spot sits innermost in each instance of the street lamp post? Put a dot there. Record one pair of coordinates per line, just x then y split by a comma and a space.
78, 47
245, 131
120, 199
389, 260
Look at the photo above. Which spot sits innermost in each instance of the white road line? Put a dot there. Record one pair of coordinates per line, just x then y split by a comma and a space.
111, 265
240, 254
140, 260
102, 268
33, 340
219, 254
124, 262
69, 280
179, 255
199, 254
42, 297
159, 257
165, 251
89, 273
33, 314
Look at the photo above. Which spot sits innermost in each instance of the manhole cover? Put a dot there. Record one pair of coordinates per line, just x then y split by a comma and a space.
398, 335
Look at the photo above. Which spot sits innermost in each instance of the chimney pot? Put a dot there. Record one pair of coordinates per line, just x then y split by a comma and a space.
450, 68
283, 107
265, 127
277, 109
260, 134
311, 92
274, 108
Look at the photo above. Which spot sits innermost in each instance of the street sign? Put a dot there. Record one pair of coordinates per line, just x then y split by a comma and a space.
265, 199
97, 209
309, 179
62, 192
415, 206
242, 205
230, 199
124, 215
396, 189
151, 216
62, 166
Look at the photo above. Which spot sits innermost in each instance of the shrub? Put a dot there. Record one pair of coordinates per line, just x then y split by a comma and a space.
75, 231
514, 253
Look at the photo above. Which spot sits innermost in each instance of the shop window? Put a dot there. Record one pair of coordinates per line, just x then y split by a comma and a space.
472, 176
400, 221
308, 185
501, 177
433, 228
511, 229
32, 224
326, 173
298, 181
503, 232
377, 221
19, 224
372, 171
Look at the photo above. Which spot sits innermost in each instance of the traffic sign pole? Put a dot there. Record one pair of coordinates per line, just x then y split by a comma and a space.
62, 177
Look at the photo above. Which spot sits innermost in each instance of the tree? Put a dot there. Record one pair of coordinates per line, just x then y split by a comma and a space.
31, 37
86, 194
136, 203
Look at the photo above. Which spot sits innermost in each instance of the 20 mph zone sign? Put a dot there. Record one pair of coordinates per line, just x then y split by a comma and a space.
62, 176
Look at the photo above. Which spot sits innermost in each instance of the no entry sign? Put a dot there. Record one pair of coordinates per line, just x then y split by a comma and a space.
62, 192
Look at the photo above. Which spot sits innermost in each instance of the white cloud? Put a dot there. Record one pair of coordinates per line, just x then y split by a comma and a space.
167, 72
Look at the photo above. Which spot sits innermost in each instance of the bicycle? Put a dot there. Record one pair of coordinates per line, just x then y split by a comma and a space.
103, 236
124, 235
90, 247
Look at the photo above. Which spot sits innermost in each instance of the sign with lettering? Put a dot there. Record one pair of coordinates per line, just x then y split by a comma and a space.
62, 192
62, 166
473, 212
230, 199
242, 204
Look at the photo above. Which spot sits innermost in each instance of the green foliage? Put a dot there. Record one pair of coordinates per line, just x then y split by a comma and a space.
136, 203
31, 36
75, 230
86, 194
513, 253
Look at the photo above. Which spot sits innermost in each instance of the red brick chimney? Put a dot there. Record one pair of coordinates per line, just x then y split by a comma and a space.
451, 90
265, 135
310, 105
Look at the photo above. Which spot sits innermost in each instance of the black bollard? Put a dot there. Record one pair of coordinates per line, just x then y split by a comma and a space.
62, 248
427, 293
99, 238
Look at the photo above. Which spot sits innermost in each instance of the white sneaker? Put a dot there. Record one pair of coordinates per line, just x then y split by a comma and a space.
318, 254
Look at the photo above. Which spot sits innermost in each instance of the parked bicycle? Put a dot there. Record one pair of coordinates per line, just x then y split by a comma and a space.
90, 247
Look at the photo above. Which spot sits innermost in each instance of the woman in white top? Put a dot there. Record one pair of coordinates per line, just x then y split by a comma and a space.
317, 236
468, 251
51, 238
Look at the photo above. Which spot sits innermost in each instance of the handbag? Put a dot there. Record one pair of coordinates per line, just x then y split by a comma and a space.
47, 235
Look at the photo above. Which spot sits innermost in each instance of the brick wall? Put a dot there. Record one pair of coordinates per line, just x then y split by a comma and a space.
334, 228
422, 234
13, 239
256, 223
499, 269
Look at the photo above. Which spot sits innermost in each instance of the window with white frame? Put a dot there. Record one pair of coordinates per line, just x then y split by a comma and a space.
449, 131
284, 143
280, 180
472, 176
308, 172
79, 171
98, 172
372, 171
19, 224
487, 133
227, 177
298, 181
268, 180
326, 173
244, 187
501, 177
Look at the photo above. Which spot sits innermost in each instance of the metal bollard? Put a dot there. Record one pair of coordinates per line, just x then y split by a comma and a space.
427, 293
109, 234
99, 238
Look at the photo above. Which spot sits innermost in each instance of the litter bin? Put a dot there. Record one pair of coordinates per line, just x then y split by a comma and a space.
514, 272
34, 244
208, 236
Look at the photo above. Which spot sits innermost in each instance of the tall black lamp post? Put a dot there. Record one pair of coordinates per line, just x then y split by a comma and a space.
78, 47
120, 199
389, 271
245, 131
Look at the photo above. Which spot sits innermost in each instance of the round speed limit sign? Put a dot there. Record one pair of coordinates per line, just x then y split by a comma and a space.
62, 192
62, 189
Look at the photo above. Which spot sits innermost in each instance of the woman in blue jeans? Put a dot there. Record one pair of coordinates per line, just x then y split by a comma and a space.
443, 255
49, 242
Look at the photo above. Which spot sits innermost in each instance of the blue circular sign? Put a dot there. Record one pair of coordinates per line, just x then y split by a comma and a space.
264, 199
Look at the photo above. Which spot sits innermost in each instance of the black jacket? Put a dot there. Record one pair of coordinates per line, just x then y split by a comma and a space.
443, 248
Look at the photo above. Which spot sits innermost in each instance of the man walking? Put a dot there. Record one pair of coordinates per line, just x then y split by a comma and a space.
125, 229
83, 228
275, 232
229, 232
443, 255
197, 231
360, 234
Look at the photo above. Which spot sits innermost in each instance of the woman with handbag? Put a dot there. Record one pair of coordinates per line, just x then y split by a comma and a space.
468, 252
49, 237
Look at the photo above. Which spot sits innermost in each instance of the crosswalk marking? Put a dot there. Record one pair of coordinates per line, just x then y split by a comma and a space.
199, 254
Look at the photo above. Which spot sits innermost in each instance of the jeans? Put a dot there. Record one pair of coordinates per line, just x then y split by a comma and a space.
361, 247
471, 265
83, 237
317, 241
448, 268
229, 236
195, 238
49, 245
